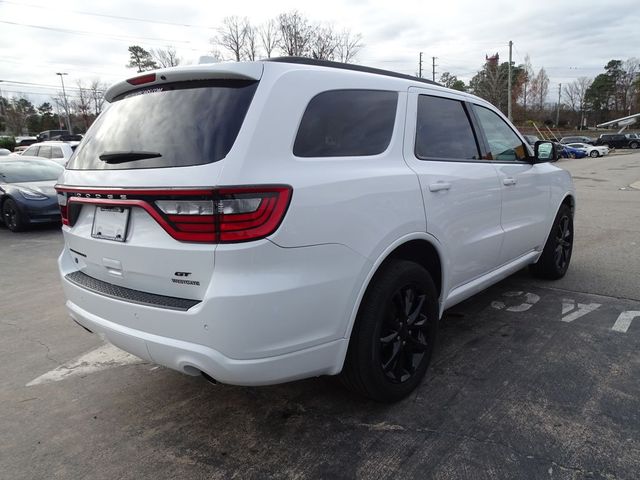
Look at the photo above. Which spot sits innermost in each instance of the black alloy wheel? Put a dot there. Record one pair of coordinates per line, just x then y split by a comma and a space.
404, 336
556, 255
564, 243
11, 215
395, 333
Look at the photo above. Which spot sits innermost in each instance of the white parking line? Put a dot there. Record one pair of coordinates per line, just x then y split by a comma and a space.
102, 358
624, 321
572, 310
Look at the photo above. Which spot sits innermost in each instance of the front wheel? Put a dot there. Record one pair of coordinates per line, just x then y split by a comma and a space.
633, 145
554, 261
594, 154
12, 216
394, 335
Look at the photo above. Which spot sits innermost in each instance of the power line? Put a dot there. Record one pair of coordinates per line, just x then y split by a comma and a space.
126, 38
104, 15
43, 85
58, 66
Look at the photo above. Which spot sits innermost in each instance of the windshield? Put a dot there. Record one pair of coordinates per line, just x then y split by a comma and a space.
187, 123
30, 171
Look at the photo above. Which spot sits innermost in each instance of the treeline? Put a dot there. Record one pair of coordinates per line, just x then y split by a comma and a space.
237, 39
18, 115
583, 102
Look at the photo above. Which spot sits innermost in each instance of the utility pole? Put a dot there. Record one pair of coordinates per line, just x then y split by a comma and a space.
420, 66
509, 116
64, 99
558, 110
433, 72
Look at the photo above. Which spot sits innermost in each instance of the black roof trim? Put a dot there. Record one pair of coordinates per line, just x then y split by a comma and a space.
348, 66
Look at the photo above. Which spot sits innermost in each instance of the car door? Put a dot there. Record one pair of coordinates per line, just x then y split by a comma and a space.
525, 186
460, 189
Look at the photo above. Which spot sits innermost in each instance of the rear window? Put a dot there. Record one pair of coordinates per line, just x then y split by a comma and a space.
187, 123
340, 123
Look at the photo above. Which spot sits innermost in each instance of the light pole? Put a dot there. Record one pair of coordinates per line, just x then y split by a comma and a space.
64, 98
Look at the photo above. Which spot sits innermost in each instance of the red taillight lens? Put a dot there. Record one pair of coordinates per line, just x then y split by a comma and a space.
142, 79
226, 215
246, 214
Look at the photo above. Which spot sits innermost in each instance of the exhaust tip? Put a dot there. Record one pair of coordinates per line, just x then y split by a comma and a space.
209, 378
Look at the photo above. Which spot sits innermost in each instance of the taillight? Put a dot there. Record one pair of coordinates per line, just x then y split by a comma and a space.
226, 215
142, 79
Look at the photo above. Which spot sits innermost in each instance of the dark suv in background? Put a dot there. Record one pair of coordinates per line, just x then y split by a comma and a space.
577, 139
617, 140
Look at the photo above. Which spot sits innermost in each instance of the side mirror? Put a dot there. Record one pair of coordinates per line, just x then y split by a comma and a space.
545, 152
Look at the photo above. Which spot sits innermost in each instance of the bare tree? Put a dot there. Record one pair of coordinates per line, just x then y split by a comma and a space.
166, 57
539, 88
528, 75
81, 105
269, 36
251, 43
348, 46
323, 42
295, 34
232, 36
97, 89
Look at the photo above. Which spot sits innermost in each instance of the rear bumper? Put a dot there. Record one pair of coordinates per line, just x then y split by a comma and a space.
269, 315
191, 358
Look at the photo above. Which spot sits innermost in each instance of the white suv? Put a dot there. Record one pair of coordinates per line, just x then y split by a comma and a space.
269, 221
59, 152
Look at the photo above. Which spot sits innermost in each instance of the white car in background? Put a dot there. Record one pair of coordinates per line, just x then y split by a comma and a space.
592, 151
57, 151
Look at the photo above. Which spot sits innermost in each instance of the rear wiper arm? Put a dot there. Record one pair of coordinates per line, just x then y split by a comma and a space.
127, 156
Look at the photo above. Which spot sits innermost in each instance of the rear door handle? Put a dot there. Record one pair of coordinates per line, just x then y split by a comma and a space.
509, 181
438, 186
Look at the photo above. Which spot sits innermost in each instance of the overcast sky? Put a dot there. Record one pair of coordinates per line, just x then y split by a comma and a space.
568, 38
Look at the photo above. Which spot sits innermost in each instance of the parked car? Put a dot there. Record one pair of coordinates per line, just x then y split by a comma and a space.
577, 139
317, 222
25, 141
27, 193
569, 152
49, 134
591, 150
617, 140
54, 150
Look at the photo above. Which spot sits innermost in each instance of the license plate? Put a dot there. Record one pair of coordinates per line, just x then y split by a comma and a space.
110, 223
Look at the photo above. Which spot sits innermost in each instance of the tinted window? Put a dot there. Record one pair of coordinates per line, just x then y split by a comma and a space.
505, 145
56, 152
187, 123
443, 130
29, 171
341, 123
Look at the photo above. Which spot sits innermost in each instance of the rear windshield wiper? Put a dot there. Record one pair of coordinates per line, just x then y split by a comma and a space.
127, 156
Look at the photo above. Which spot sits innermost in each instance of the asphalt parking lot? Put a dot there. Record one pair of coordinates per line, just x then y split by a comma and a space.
531, 380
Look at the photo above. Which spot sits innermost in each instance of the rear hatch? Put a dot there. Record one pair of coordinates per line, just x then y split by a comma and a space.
138, 198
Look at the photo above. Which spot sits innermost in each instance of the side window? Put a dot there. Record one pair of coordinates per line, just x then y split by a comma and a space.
443, 130
340, 123
32, 151
505, 145
56, 152
45, 151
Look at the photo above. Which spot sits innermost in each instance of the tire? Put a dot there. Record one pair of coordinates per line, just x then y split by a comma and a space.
556, 255
394, 335
633, 145
594, 154
12, 217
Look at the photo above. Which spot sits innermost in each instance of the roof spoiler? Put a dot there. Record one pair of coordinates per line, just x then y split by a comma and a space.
226, 71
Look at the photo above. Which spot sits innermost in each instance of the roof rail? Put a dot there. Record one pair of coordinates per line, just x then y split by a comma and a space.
348, 66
